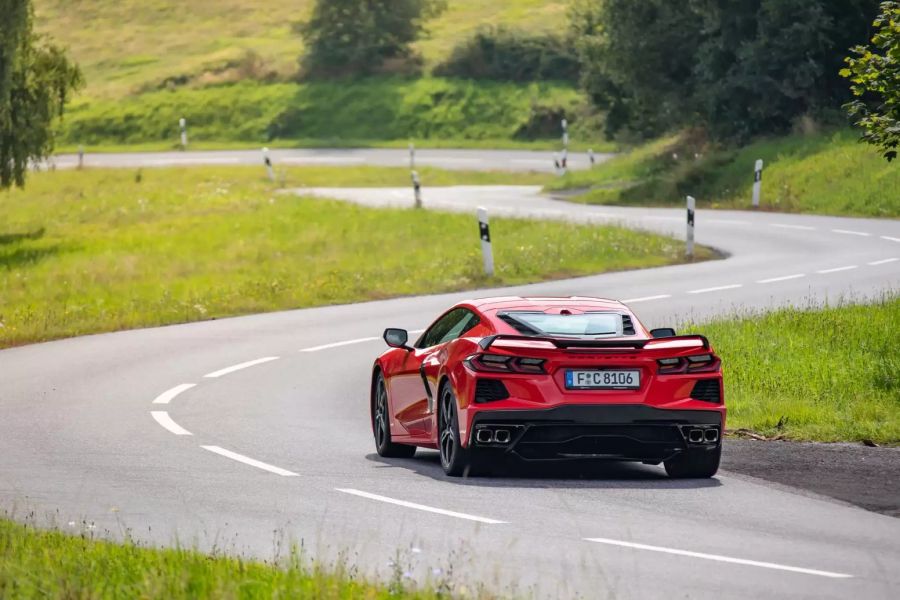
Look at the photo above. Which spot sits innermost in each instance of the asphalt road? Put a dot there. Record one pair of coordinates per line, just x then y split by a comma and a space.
242, 434
469, 160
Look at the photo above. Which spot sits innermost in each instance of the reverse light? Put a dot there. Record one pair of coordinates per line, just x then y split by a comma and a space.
499, 363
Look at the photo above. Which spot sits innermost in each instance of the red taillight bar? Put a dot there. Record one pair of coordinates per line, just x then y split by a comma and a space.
681, 341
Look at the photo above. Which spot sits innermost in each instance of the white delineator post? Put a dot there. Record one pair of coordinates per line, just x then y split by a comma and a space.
565, 141
412, 156
484, 231
268, 162
182, 125
591, 157
757, 182
80, 157
417, 189
691, 206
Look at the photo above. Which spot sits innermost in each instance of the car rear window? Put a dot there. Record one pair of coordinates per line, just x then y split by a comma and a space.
590, 323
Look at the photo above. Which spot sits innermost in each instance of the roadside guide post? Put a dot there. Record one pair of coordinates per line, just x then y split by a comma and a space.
182, 125
417, 189
757, 182
591, 157
412, 156
268, 162
691, 206
565, 141
80, 157
484, 232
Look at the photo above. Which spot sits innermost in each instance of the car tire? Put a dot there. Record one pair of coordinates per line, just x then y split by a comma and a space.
694, 463
455, 460
381, 425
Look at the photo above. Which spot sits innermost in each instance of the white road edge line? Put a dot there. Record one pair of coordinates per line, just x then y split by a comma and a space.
243, 365
720, 558
892, 239
717, 289
163, 418
849, 232
800, 227
169, 395
785, 278
339, 344
646, 298
250, 461
431, 509
882, 262
836, 269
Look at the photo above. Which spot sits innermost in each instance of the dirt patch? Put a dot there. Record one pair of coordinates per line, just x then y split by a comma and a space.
854, 473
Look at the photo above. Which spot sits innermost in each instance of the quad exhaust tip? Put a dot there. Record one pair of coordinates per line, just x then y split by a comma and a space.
486, 435
502, 436
695, 436
711, 435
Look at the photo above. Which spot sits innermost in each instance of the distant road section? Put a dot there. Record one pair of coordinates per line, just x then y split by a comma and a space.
466, 160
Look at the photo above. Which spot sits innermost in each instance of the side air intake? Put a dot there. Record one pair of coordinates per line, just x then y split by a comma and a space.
627, 325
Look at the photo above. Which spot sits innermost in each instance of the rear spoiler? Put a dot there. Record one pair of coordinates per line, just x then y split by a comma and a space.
678, 341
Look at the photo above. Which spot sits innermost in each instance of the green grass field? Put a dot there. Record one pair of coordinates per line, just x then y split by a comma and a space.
825, 375
127, 46
51, 564
98, 250
826, 173
375, 111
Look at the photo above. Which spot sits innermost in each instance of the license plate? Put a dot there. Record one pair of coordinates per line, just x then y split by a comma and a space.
607, 379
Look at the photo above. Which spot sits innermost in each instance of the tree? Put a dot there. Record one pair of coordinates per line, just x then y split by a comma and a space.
875, 77
356, 37
36, 79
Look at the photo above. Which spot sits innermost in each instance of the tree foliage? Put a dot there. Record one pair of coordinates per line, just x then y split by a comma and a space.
737, 68
356, 37
875, 75
36, 79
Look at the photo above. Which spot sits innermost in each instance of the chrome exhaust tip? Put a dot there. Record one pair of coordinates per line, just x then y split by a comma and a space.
711, 435
484, 436
695, 436
502, 436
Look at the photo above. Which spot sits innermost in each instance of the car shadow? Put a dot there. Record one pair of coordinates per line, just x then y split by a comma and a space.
513, 473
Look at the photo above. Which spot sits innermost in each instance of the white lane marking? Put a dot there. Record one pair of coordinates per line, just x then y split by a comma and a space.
883, 262
243, 365
163, 418
849, 232
800, 227
784, 278
192, 160
836, 269
717, 289
299, 160
339, 344
647, 298
431, 509
889, 238
720, 558
168, 395
250, 461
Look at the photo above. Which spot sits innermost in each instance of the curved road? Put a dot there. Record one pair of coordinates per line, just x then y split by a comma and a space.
243, 434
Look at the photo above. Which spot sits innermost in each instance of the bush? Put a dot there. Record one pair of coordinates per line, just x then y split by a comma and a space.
505, 54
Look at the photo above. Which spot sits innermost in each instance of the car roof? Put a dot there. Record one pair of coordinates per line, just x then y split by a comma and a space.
543, 303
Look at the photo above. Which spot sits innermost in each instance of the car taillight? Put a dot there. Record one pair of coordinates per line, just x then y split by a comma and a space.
695, 363
499, 363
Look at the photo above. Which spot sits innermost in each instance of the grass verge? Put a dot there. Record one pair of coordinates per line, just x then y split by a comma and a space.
378, 110
826, 173
102, 250
825, 375
50, 564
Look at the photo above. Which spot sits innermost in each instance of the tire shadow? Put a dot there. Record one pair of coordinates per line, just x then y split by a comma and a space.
514, 473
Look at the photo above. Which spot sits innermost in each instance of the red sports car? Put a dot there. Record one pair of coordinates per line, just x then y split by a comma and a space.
549, 379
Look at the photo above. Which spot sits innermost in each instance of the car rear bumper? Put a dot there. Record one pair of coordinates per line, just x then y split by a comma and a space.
608, 432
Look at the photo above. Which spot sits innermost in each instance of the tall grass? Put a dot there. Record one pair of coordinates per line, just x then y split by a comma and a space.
101, 250
828, 374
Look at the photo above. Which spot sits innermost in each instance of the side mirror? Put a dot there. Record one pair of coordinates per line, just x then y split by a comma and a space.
396, 338
662, 332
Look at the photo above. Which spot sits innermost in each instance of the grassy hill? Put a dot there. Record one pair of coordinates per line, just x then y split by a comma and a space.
228, 67
127, 46
826, 173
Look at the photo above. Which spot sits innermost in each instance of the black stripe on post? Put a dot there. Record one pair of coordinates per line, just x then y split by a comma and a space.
485, 231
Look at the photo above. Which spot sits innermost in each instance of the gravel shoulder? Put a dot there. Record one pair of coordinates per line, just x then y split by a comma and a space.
853, 473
